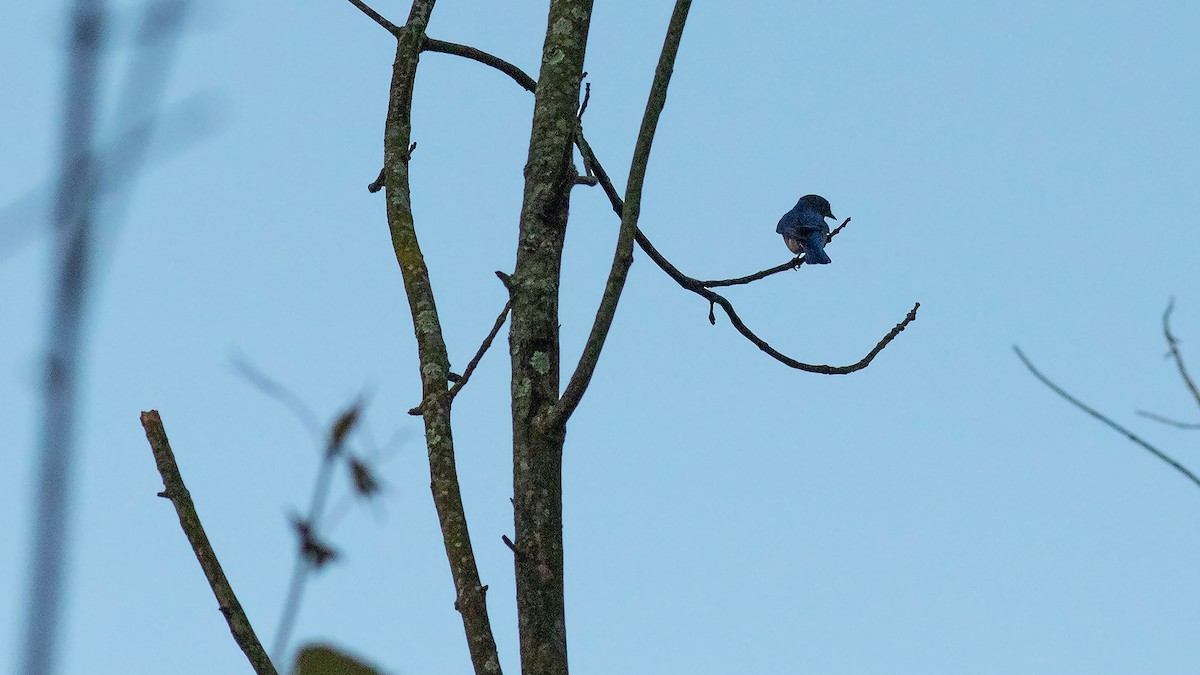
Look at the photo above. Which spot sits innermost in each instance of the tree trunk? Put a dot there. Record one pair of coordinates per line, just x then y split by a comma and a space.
534, 343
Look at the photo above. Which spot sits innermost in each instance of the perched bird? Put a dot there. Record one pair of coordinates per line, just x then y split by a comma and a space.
804, 228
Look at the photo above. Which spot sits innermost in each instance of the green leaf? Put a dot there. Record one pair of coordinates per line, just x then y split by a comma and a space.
316, 659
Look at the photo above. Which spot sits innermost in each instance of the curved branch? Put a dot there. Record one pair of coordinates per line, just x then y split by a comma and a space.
442, 47
792, 264
697, 286
470, 594
1108, 422
1173, 344
623, 256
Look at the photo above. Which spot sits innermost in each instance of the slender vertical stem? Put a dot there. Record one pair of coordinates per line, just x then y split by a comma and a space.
73, 233
470, 595
623, 257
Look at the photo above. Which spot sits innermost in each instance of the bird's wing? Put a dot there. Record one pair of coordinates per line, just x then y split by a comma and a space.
787, 224
801, 221
806, 225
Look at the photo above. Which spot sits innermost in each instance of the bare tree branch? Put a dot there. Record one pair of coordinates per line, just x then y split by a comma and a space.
1106, 420
470, 594
792, 264
443, 47
487, 342
466, 374
376, 17
189, 520
1173, 344
1167, 420
623, 256
696, 286
1176, 355
277, 391
312, 552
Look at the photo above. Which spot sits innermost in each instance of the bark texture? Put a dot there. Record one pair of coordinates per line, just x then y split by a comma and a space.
470, 595
534, 343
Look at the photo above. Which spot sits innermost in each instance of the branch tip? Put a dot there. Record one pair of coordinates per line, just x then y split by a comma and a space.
193, 529
587, 95
1107, 421
504, 279
376, 17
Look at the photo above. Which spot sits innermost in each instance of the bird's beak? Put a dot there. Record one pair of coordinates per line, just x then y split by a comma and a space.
833, 216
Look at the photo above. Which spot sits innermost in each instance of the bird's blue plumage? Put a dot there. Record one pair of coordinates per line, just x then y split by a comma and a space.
804, 228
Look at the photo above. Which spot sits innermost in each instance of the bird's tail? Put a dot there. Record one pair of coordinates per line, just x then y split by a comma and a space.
816, 256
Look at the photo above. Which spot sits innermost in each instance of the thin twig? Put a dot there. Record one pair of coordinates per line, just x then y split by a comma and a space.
282, 394
1173, 344
587, 96
792, 264
434, 363
312, 552
376, 17
310, 556
189, 520
461, 380
623, 256
1106, 420
487, 342
1167, 420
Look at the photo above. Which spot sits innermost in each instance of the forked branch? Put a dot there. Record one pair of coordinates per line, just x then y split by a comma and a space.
474, 362
1104, 419
623, 256
1176, 355
470, 594
701, 288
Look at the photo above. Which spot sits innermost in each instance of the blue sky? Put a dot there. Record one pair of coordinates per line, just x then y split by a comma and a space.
1026, 171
